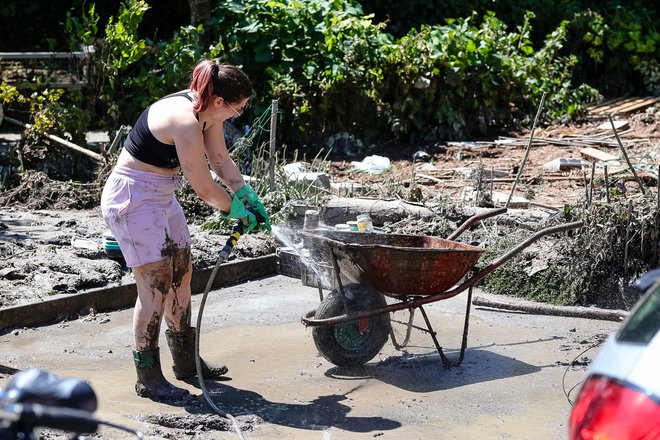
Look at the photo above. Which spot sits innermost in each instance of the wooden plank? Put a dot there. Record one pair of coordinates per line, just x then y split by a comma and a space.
42, 55
288, 262
606, 104
594, 153
627, 103
637, 106
618, 125
71, 145
124, 295
626, 106
434, 179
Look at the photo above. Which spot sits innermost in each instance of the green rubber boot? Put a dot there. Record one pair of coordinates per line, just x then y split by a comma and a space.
150, 380
182, 346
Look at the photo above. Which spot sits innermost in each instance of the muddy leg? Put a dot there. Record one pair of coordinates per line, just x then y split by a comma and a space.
153, 283
180, 335
177, 308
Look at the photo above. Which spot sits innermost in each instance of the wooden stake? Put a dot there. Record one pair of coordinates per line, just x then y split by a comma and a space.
607, 184
123, 131
625, 249
529, 146
586, 186
591, 182
657, 217
625, 155
412, 177
273, 131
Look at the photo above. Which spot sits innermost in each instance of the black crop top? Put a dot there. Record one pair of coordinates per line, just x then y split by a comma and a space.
143, 145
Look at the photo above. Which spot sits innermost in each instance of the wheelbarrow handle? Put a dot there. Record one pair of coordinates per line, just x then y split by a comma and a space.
516, 250
473, 219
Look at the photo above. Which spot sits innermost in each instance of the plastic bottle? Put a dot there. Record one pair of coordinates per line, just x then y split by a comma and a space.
311, 219
364, 223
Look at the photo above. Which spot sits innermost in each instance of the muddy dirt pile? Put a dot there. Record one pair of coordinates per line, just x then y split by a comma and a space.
45, 253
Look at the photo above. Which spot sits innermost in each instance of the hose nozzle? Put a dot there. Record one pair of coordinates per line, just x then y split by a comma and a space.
236, 233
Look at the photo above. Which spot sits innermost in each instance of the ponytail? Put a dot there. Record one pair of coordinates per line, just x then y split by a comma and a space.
224, 80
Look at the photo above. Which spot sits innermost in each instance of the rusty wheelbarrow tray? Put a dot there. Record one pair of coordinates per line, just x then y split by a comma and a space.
400, 265
352, 324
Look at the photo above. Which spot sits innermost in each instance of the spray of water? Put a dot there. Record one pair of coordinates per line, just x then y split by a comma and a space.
292, 239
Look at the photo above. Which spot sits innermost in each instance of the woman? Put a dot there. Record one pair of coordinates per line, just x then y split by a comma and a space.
182, 131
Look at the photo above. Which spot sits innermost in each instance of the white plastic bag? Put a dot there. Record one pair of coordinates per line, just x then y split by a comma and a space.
372, 164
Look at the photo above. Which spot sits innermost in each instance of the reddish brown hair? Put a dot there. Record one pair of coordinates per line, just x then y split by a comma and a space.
224, 80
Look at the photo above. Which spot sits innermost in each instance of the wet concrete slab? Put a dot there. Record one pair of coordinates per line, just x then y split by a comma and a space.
511, 385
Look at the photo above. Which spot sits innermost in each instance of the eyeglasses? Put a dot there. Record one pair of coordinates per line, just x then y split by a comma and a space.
238, 112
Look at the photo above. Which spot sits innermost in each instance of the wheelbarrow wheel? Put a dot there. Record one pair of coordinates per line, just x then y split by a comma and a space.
352, 343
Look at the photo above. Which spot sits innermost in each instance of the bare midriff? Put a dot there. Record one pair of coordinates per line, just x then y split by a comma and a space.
126, 160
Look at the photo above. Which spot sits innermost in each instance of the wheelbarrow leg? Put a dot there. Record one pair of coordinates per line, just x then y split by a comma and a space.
445, 361
466, 325
340, 286
409, 327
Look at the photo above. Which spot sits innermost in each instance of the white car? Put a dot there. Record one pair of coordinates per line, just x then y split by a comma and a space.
620, 399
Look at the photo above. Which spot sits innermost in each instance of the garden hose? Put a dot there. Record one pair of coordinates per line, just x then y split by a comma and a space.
237, 231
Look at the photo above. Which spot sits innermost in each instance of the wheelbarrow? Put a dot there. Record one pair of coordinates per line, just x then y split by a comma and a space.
352, 323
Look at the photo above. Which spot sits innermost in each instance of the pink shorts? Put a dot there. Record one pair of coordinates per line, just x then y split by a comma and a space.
145, 218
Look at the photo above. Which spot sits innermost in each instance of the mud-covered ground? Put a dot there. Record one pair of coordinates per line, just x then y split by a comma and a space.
518, 378
516, 382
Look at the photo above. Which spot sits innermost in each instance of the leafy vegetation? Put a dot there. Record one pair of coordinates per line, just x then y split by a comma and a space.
334, 69
617, 43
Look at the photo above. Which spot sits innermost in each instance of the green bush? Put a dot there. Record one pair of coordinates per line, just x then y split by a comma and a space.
318, 58
617, 43
333, 70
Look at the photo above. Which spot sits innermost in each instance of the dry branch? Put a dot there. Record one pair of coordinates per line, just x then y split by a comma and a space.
547, 309
625, 155
61, 141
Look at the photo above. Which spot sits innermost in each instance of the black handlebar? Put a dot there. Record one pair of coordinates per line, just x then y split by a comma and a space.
35, 398
65, 419
36, 386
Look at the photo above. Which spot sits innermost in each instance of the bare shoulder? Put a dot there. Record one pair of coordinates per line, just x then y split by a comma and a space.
173, 107
170, 116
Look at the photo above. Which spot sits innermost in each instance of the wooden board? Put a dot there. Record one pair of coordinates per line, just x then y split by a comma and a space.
623, 106
618, 125
594, 153
606, 105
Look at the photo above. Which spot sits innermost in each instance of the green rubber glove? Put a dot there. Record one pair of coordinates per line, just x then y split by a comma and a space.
251, 200
239, 211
